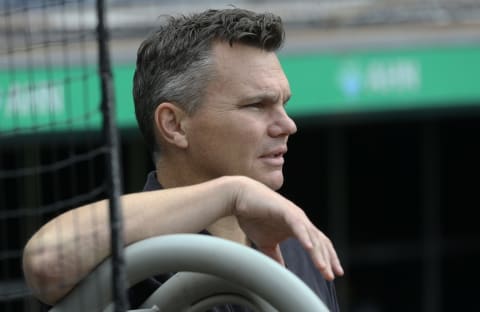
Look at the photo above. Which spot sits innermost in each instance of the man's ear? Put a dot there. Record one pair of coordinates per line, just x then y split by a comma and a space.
169, 124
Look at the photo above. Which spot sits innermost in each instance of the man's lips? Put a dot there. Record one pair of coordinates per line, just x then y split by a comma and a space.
274, 157
277, 152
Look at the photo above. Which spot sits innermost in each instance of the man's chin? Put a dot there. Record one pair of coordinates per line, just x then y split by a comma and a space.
273, 180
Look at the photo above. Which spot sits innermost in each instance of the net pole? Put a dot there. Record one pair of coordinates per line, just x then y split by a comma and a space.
119, 280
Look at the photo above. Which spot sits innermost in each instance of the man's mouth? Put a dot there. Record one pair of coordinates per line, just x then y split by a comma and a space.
275, 157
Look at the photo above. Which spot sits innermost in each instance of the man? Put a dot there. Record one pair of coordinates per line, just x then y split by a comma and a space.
210, 98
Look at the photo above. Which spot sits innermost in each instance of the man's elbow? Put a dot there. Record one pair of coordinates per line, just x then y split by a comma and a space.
42, 274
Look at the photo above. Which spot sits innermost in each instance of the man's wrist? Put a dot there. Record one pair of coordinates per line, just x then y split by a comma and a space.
233, 187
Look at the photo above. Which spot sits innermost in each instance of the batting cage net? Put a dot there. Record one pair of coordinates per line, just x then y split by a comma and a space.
53, 147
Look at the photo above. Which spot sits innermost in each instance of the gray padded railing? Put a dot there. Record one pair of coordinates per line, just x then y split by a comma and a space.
230, 273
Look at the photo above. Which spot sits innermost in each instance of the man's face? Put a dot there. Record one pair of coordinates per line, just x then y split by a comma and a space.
242, 127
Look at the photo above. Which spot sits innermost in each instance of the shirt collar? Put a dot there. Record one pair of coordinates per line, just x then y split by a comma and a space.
152, 182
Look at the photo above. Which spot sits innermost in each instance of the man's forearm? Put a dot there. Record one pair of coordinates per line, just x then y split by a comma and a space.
67, 248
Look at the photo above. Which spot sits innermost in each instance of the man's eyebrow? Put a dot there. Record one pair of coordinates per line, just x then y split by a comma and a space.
268, 96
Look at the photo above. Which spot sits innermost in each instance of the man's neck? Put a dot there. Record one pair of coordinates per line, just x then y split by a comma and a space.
173, 174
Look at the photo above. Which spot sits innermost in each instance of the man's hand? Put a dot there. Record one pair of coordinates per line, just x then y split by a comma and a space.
268, 218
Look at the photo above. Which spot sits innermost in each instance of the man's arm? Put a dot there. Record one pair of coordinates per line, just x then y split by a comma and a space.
70, 246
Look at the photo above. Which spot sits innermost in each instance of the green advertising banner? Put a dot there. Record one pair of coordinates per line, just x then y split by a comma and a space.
322, 84
369, 81
49, 100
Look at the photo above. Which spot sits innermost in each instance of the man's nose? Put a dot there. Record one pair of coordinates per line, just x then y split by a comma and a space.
283, 125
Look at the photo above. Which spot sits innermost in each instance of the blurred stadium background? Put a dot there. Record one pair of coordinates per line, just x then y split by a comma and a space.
386, 160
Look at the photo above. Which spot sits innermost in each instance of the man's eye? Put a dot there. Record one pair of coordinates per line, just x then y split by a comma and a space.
254, 105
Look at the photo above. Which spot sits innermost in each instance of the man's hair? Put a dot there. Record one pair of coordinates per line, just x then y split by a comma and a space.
174, 63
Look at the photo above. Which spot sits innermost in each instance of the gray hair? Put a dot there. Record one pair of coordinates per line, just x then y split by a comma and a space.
174, 63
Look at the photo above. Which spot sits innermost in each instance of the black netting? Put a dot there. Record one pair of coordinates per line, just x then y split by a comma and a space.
52, 150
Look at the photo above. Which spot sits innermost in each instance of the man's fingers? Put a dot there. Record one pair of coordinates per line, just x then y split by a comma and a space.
337, 266
321, 257
324, 256
301, 233
320, 249
334, 261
